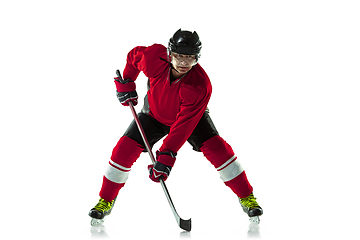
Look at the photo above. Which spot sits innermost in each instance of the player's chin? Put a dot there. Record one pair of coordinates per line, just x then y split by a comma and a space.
183, 69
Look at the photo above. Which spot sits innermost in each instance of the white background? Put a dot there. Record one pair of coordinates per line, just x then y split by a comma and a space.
285, 78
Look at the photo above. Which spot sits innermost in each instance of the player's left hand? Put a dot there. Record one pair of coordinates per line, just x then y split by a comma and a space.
159, 171
162, 167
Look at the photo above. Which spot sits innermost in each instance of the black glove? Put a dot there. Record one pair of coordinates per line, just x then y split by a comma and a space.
125, 97
163, 165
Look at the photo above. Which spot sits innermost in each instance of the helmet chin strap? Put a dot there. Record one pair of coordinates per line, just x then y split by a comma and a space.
172, 67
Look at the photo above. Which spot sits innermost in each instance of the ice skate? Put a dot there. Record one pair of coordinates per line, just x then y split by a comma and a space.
100, 211
252, 208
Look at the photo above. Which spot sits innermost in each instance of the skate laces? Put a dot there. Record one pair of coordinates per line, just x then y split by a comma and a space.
103, 205
249, 202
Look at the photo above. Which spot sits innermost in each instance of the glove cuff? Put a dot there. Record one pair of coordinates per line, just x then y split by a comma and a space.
127, 87
166, 157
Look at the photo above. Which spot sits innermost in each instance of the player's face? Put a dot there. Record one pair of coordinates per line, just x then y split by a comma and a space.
183, 63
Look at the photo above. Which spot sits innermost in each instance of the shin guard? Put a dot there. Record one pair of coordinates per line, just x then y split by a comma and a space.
221, 155
125, 153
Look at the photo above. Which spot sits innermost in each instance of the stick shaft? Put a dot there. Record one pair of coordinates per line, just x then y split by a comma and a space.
147, 146
184, 224
142, 133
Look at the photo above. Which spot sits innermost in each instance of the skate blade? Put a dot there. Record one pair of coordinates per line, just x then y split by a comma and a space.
255, 220
96, 222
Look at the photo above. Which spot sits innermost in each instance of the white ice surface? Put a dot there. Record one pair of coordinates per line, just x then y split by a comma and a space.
285, 78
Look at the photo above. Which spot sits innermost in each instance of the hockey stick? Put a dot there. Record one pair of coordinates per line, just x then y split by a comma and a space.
183, 224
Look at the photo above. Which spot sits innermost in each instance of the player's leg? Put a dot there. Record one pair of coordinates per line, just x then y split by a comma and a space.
125, 153
205, 138
222, 156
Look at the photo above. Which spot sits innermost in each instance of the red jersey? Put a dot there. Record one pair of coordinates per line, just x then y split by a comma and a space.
179, 104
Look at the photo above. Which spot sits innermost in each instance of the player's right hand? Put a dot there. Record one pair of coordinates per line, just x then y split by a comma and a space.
126, 97
126, 91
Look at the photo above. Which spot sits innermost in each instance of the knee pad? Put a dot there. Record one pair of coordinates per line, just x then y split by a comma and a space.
217, 151
126, 152
221, 155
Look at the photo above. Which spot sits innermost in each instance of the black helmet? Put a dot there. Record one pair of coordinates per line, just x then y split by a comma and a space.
185, 42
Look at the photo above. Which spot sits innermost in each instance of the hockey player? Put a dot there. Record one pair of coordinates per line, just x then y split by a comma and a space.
176, 107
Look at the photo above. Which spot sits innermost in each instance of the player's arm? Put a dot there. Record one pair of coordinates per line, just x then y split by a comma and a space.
191, 111
125, 87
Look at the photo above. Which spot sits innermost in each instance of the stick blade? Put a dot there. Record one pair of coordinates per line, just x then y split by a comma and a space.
185, 224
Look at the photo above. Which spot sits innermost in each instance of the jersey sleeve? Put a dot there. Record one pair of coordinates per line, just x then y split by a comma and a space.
134, 63
146, 60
